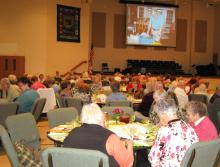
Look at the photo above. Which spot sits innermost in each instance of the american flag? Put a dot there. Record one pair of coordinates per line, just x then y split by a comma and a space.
91, 58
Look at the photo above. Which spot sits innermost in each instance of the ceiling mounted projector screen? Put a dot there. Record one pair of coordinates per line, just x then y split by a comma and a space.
151, 25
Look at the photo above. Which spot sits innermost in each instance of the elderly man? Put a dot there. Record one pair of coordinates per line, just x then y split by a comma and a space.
116, 94
8, 91
157, 21
92, 135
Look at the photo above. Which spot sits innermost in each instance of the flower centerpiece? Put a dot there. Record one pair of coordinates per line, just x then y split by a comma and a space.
116, 114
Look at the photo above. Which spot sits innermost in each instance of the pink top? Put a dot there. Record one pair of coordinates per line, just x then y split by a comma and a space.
205, 130
37, 85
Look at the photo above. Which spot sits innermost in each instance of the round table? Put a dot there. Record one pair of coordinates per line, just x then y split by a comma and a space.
59, 133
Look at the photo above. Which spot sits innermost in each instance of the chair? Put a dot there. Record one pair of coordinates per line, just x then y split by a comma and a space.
7, 109
23, 127
202, 154
109, 109
61, 116
38, 107
213, 111
74, 102
198, 97
70, 157
9, 148
119, 103
58, 101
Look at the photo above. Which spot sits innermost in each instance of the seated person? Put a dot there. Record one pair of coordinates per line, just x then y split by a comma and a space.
13, 80
134, 86
158, 95
83, 92
93, 136
216, 94
41, 78
147, 101
181, 95
96, 83
8, 91
173, 138
65, 91
27, 97
196, 113
116, 94
36, 84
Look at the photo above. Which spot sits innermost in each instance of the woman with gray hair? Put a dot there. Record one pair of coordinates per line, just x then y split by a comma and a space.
93, 135
174, 136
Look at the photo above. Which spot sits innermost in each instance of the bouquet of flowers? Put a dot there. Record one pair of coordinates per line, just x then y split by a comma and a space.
116, 114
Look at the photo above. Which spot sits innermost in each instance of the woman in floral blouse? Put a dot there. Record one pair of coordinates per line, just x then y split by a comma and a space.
173, 138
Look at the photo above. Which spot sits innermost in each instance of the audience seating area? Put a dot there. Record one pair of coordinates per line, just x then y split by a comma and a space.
23, 127
153, 67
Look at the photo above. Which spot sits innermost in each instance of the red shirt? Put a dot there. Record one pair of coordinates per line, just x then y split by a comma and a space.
37, 85
205, 130
131, 86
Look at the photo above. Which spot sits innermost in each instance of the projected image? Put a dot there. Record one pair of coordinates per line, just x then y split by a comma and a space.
148, 25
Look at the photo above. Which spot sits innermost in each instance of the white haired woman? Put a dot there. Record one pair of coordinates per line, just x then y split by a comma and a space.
158, 95
173, 138
94, 136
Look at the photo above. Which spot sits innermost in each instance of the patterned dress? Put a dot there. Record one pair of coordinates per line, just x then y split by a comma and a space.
171, 144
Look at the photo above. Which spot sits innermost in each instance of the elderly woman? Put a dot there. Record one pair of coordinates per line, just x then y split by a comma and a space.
8, 91
158, 95
196, 112
94, 136
174, 137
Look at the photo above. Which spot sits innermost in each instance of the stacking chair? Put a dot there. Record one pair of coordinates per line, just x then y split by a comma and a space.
214, 113
109, 109
202, 154
23, 127
74, 102
9, 148
70, 157
58, 101
61, 116
119, 103
198, 97
38, 107
7, 109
